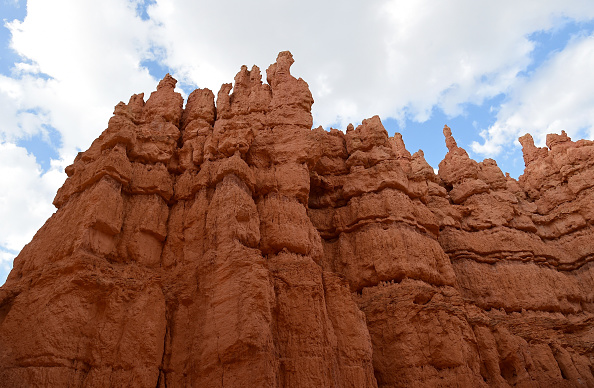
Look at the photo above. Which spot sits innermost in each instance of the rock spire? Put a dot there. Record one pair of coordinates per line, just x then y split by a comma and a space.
231, 245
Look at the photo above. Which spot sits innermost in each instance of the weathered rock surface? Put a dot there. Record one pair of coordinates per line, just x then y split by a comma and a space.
231, 245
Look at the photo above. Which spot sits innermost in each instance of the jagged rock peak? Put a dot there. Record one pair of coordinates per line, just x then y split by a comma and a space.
529, 150
554, 140
167, 82
245, 79
280, 71
449, 139
399, 147
237, 247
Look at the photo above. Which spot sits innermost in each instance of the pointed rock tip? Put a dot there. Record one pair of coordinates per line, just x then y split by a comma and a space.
529, 150
280, 69
419, 157
242, 76
247, 77
255, 75
449, 139
398, 145
527, 142
285, 56
398, 139
225, 89
167, 82
553, 139
489, 162
136, 99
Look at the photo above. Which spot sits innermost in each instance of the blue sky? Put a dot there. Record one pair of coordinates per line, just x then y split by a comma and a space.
492, 71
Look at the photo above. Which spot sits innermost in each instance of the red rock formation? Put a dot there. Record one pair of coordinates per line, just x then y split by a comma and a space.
234, 246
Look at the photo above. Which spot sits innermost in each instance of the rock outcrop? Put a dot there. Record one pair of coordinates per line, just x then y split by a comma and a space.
231, 245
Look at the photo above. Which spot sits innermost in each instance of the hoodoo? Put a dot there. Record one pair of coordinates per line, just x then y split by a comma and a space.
232, 245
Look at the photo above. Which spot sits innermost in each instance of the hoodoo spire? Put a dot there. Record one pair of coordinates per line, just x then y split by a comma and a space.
231, 245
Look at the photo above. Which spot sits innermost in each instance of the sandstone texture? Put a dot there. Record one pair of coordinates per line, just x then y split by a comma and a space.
231, 245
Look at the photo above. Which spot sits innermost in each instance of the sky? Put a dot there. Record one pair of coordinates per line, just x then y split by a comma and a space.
491, 70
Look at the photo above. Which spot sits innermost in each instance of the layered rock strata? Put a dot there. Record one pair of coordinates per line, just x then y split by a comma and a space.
231, 245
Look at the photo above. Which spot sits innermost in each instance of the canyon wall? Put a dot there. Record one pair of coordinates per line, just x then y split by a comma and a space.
234, 246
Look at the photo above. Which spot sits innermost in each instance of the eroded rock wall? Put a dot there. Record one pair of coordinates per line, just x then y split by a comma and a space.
234, 246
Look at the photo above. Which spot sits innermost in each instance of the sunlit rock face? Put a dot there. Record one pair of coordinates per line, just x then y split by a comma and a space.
229, 244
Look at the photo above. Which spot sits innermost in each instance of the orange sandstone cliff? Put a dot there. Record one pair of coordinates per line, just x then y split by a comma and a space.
234, 246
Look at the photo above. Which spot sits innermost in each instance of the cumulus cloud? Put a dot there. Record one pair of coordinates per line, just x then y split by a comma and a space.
79, 59
6, 259
558, 96
389, 57
26, 197
393, 58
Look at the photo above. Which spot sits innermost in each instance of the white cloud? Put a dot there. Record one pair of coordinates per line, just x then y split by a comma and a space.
558, 96
392, 58
26, 197
363, 58
6, 259
21, 119
82, 58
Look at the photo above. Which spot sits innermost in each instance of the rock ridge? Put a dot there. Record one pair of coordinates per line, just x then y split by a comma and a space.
229, 244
